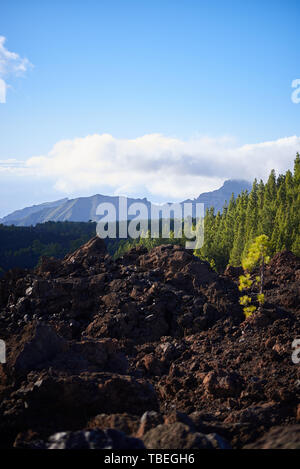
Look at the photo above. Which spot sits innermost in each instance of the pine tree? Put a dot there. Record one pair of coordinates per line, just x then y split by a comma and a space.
257, 256
269, 205
251, 223
239, 230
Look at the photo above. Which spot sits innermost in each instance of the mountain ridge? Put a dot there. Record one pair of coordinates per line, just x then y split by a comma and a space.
83, 209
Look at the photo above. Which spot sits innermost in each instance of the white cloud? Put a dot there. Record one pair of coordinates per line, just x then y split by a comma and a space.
11, 64
2, 91
156, 166
163, 167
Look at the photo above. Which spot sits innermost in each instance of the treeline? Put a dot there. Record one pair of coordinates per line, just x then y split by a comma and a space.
272, 209
24, 246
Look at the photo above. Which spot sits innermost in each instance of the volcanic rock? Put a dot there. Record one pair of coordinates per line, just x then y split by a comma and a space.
279, 438
154, 346
38, 344
178, 435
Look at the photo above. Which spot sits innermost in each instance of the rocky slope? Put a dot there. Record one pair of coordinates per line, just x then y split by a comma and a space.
149, 351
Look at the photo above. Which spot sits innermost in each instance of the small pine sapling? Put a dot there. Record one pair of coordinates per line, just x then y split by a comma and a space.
257, 257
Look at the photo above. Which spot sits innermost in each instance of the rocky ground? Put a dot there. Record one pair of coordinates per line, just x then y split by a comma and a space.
148, 351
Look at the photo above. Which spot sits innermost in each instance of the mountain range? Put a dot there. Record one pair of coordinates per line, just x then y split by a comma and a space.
83, 209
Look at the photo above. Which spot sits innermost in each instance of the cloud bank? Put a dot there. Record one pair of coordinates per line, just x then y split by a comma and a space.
163, 167
11, 64
154, 165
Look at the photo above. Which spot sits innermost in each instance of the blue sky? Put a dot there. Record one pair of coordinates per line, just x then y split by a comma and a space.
188, 70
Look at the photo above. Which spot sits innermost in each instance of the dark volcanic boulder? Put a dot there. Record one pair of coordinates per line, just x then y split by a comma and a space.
123, 422
178, 435
37, 344
223, 384
86, 394
88, 254
181, 269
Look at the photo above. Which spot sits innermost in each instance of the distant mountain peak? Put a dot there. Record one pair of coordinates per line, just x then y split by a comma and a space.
236, 182
218, 197
83, 209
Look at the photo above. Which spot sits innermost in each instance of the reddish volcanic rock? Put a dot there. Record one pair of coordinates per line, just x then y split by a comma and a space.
36, 345
279, 438
283, 281
89, 254
222, 384
154, 346
123, 422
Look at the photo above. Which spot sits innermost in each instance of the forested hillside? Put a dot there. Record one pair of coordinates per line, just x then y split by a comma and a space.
23, 246
272, 209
